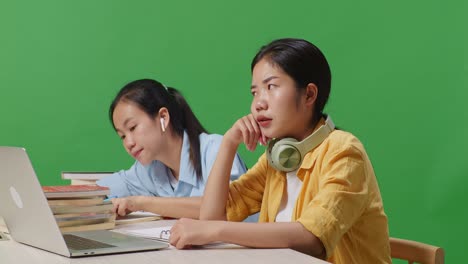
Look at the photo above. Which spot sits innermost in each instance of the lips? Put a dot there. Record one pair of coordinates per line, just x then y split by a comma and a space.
137, 153
264, 121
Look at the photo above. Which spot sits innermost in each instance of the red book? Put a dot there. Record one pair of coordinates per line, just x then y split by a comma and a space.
75, 191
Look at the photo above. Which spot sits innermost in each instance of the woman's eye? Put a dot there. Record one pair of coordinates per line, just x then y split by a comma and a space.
270, 86
132, 128
122, 137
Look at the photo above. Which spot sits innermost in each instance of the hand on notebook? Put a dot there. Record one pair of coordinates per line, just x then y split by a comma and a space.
189, 232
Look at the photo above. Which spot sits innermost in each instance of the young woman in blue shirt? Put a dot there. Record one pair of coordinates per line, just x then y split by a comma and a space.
173, 152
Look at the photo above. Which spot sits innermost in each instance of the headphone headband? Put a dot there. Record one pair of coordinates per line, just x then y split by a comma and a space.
314, 139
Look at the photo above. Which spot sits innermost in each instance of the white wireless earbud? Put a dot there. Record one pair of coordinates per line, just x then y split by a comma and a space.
162, 124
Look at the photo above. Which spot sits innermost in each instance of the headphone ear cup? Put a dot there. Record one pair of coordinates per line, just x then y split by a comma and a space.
283, 155
286, 154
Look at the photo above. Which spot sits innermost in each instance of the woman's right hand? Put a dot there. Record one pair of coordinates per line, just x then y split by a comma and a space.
246, 130
124, 206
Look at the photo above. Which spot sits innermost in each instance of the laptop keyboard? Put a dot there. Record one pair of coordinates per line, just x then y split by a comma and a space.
81, 243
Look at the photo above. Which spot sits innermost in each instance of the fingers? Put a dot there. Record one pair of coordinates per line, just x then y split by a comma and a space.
176, 236
251, 132
116, 205
264, 139
184, 234
247, 130
120, 206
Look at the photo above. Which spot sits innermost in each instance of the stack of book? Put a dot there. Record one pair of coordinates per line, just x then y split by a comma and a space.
80, 207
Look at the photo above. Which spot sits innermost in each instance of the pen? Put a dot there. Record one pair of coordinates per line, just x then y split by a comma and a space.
109, 198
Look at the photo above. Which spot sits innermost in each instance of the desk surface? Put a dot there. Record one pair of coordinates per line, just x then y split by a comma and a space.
14, 252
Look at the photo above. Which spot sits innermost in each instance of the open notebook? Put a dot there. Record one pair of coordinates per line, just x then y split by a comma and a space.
30, 220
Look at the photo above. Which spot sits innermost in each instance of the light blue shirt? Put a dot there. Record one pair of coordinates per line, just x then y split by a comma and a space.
155, 178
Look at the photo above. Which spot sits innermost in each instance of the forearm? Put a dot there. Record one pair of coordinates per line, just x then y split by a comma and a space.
213, 206
175, 207
270, 235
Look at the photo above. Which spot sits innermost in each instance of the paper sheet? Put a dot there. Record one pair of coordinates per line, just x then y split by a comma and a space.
157, 233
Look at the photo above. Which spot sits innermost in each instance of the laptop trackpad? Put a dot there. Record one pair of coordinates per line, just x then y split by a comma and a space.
81, 243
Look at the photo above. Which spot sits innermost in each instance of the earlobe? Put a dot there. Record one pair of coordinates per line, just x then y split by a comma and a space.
163, 127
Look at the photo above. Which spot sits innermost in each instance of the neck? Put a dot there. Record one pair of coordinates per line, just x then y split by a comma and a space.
307, 133
171, 157
304, 129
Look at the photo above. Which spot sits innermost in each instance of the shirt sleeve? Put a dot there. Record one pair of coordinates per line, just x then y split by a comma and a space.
246, 193
125, 182
342, 197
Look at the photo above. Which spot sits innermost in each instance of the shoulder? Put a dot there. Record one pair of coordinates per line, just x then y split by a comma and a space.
210, 139
262, 166
343, 139
341, 142
142, 172
341, 155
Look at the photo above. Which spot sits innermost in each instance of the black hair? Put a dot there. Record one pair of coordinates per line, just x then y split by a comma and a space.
150, 95
304, 63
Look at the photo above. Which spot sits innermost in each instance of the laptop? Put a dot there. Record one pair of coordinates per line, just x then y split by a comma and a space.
30, 221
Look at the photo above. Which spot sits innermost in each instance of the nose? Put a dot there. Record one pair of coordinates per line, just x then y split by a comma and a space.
129, 143
260, 103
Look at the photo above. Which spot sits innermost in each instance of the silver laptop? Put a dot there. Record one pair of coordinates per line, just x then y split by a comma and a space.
30, 220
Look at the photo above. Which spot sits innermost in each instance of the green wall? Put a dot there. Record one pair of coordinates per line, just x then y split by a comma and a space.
399, 83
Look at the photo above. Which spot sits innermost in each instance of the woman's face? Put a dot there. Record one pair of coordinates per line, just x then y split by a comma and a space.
277, 105
141, 134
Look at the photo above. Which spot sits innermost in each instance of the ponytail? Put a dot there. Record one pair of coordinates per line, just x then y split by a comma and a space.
192, 126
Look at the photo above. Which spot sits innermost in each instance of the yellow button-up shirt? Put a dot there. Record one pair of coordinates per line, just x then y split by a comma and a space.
339, 201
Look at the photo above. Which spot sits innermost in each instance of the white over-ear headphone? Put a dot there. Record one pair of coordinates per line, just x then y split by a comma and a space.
162, 124
286, 154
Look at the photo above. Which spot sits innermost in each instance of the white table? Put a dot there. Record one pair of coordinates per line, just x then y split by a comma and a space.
12, 252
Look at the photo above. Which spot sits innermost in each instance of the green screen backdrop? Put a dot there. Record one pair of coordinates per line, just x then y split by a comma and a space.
399, 84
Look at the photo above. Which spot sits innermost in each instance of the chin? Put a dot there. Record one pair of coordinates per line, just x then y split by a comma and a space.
144, 162
265, 132
274, 135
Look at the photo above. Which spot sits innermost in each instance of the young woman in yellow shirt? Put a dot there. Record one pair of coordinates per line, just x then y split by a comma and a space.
315, 187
